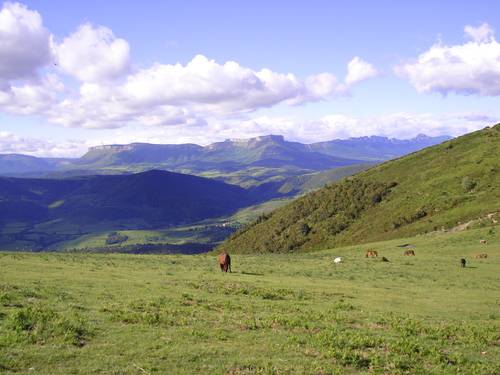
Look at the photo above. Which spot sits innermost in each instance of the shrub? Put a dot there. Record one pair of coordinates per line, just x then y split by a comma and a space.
468, 184
304, 229
41, 323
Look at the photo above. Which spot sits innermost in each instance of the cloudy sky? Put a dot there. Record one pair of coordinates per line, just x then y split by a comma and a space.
82, 73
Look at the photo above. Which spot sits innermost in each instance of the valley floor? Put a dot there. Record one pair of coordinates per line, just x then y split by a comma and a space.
67, 313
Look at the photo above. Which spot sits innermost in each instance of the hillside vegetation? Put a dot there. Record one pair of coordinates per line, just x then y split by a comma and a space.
434, 189
275, 314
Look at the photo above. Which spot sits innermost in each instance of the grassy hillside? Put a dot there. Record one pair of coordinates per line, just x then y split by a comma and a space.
437, 188
275, 314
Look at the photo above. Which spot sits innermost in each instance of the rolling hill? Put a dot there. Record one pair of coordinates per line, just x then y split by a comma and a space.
435, 189
19, 164
44, 211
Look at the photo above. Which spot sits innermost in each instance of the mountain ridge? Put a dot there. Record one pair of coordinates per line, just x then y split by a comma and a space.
267, 152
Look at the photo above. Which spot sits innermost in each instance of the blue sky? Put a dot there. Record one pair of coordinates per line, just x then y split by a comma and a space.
128, 88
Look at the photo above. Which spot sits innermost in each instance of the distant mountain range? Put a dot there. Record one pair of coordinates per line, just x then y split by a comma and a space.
228, 160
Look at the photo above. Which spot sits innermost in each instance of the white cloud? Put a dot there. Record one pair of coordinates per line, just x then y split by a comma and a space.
14, 144
25, 44
32, 98
167, 94
223, 88
359, 70
93, 54
469, 68
335, 126
483, 33
340, 126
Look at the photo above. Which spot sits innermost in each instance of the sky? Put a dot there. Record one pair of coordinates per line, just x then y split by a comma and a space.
83, 73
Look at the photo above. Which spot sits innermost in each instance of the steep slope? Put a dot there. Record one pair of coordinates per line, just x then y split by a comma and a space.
139, 153
439, 187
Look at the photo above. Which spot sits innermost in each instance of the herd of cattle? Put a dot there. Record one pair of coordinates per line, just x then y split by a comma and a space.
225, 260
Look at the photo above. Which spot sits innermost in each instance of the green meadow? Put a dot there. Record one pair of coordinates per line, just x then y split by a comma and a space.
74, 313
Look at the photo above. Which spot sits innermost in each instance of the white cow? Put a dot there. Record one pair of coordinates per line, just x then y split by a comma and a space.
337, 260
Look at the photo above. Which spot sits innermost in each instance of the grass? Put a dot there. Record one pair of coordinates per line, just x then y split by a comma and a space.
67, 313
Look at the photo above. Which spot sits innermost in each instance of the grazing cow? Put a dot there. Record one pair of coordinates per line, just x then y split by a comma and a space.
337, 260
371, 254
482, 256
484, 242
224, 262
409, 253
462, 262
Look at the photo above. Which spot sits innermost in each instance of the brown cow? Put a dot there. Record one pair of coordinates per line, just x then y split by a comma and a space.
409, 253
484, 242
481, 256
224, 262
371, 254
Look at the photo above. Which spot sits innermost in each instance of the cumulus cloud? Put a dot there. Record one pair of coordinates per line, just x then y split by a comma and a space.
32, 98
100, 107
25, 44
359, 70
173, 94
226, 87
469, 68
93, 54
